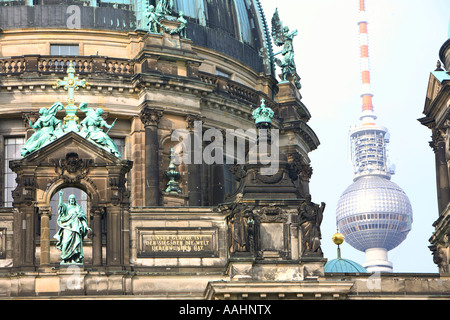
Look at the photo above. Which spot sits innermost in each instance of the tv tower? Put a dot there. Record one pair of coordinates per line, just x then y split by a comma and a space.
374, 214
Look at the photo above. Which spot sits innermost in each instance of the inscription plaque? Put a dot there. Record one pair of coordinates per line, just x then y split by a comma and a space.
177, 243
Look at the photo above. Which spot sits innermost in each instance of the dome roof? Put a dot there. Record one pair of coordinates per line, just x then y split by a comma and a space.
237, 28
340, 265
374, 212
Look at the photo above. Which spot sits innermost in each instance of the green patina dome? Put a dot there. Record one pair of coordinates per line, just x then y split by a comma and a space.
340, 265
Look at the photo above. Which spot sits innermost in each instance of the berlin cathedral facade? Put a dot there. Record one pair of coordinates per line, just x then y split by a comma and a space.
99, 98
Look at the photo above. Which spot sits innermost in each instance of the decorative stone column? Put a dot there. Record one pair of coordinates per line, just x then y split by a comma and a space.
442, 180
194, 170
118, 219
45, 213
97, 215
305, 177
25, 220
150, 118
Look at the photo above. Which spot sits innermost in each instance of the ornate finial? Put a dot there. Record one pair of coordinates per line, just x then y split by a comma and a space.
263, 113
438, 66
71, 83
172, 186
338, 239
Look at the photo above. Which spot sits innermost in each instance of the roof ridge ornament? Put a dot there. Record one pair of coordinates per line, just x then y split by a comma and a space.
70, 83
263, 113
172, 174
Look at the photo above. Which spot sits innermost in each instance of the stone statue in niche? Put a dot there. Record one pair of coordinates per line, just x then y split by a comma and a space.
241, 226
311, 216
73, 226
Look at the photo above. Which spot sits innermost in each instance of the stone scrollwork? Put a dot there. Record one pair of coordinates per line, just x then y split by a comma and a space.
150, 117
25, 190
441, 257
237, 171
436, 138
295, 166
271, 210
306, 172
72, 164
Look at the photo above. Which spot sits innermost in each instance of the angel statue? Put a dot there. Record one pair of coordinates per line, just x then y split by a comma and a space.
282, 37
92, 127
153, 19
47, 129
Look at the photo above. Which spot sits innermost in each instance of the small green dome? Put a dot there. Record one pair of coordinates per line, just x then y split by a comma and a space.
340, 265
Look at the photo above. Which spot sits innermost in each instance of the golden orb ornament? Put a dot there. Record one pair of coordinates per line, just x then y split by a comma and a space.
338, 238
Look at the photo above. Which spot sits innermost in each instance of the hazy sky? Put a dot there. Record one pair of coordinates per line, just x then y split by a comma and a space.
404, 41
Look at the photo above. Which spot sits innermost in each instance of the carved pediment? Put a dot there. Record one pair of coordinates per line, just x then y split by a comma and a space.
71, 143
71, 161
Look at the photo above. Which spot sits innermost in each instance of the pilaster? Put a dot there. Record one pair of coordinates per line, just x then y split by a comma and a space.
151, 118
45, 214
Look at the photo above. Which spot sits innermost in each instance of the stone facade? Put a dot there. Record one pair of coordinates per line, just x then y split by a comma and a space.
436, 111
232, 232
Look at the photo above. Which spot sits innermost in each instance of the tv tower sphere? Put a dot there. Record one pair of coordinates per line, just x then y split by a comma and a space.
374, 214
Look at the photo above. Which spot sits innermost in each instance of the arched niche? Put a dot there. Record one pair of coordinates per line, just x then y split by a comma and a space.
71, 161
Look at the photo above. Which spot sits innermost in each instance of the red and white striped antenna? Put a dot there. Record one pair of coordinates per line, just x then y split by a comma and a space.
368, 117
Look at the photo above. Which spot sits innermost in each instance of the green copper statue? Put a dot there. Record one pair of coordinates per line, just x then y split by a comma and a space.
282, 37
73, 228
181, 29
92, 127
47, 129
172, 174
